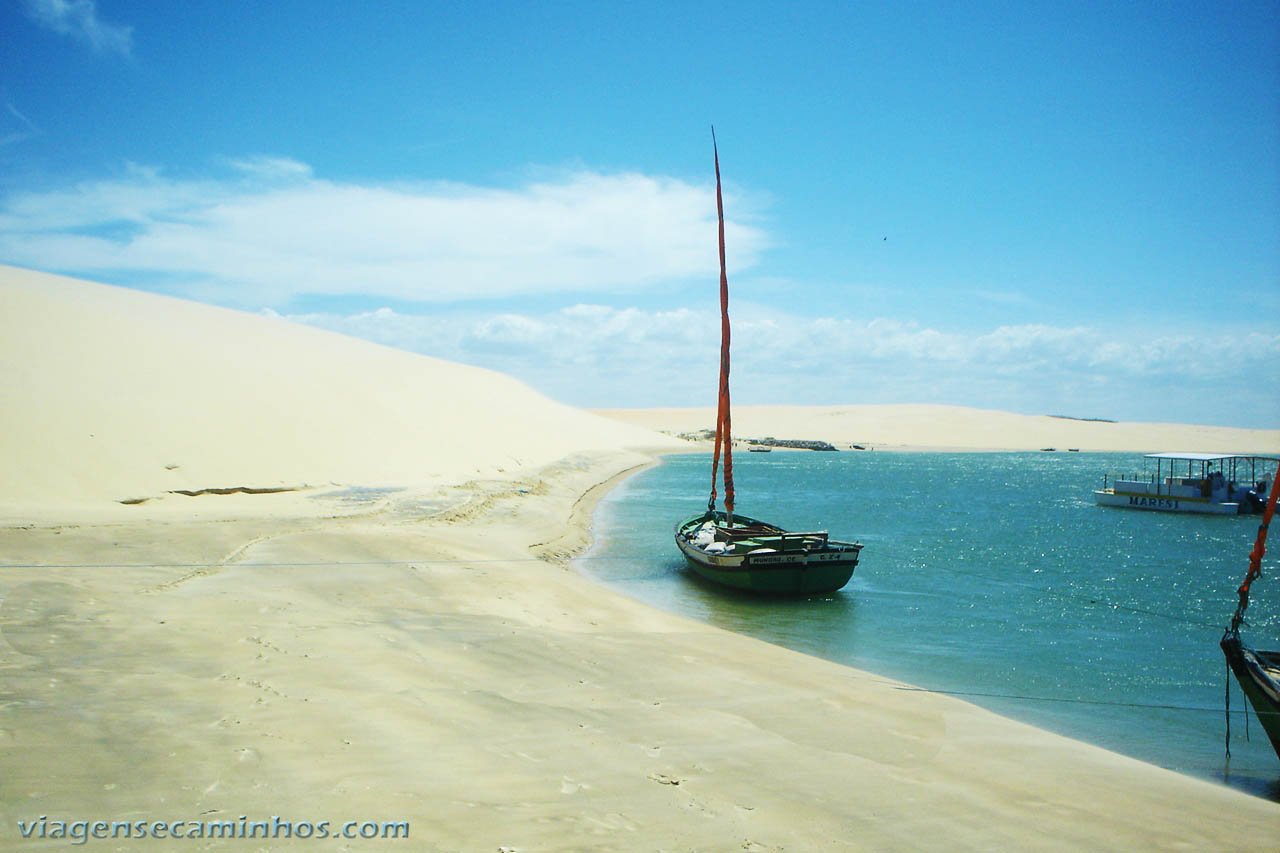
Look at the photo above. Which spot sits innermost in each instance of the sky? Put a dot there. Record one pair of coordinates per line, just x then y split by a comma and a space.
1045, 208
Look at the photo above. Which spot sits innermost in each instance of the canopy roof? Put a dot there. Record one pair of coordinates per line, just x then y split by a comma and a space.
1208, 457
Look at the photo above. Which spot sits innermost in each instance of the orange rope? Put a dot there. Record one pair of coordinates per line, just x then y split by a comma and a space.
1255, 557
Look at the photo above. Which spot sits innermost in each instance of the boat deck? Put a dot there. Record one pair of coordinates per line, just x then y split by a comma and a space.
749, 539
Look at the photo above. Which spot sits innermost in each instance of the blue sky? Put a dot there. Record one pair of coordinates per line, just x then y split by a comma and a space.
1041, 207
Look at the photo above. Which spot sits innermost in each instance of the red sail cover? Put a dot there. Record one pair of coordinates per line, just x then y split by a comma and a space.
724, 432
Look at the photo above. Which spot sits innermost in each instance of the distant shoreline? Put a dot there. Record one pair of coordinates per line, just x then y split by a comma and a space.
930, 427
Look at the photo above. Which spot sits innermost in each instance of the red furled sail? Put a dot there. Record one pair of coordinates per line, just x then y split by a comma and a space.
724, 432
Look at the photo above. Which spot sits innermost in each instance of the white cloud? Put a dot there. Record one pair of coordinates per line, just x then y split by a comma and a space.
596, 355
79, 20
271, 168
1004, 297
272, 231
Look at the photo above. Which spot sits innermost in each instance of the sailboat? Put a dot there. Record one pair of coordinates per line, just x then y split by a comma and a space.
742, 552
1257, 671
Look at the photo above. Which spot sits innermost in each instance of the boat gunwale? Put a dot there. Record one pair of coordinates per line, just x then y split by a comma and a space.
681, 526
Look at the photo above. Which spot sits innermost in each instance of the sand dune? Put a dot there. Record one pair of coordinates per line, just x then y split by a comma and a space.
426, 657
937, 427
114, 395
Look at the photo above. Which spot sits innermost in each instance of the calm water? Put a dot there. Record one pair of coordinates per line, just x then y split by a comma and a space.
993, 576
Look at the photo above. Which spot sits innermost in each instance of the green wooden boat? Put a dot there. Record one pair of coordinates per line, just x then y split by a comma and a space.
746, 553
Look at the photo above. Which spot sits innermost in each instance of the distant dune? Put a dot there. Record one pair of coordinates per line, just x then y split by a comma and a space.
954, 427
113, 395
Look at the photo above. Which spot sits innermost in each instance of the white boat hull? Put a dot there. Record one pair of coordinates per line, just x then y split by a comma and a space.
1164, 503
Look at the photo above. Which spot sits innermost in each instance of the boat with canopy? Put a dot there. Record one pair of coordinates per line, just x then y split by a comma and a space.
738, 551
1257, 671
1212, 483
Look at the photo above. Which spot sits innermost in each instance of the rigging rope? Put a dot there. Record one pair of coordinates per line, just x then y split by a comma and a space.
1085, 599
1255, 556
1027, 697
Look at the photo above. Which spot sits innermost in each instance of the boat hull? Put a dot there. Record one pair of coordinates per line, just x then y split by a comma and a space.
1164, 503
1256, 671
767, 560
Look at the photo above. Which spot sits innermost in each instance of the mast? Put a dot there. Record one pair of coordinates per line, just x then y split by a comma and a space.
724, 432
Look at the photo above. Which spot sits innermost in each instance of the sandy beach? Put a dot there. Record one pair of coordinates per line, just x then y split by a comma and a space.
254, 569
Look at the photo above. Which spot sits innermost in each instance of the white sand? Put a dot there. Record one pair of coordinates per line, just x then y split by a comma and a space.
424, 654
112, 394
907, 427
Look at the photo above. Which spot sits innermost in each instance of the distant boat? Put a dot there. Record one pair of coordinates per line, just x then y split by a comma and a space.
1215, 483
1258, 672
741, 552
756, 448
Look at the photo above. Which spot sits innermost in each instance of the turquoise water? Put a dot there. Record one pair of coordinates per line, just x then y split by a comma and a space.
989, 575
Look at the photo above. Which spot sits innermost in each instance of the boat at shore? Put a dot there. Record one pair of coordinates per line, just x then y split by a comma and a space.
1213, 483
745, 553
752, 555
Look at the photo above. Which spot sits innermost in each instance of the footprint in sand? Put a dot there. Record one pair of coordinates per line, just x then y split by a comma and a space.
664, 779
568, 786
